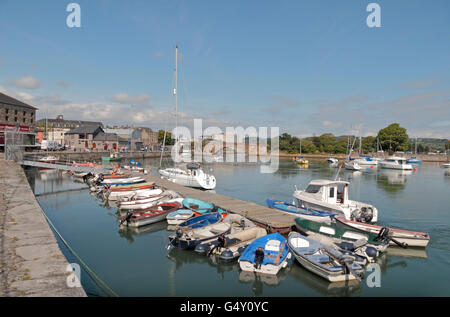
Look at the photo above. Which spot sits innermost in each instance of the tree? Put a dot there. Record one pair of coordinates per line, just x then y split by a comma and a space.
169, 140
393, 138
369, 144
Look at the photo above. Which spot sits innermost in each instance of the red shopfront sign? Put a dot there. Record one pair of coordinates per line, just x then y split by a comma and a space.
21, 128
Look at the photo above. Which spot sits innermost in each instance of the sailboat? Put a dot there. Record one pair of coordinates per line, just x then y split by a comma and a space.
350, 164
191, 175
363, 159
414, 159
301, 159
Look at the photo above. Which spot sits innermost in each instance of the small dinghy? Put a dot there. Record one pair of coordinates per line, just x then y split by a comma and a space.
197, 205
320, 216
323, 260
267, 255
136, 193
120, 180
230, 247
398, 237
179, 216
148, 201
148, 216
144, 185
201, 221
186, 238
340, 234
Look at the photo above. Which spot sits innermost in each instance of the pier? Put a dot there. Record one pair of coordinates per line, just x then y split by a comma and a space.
31, 262
271, 219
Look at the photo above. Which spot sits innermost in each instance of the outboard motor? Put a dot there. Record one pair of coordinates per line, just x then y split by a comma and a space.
259, 257
382, 235
127, 218
366, 214
179, 233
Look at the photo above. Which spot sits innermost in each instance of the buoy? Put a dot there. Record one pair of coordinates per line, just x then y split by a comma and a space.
415, 169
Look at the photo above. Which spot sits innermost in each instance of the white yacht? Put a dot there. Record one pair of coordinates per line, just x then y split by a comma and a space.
363, 160
192, 176
332, 196
332, 160
352, 166
397, 163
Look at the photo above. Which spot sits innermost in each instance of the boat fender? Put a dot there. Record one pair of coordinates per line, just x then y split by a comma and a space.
179, 233
371, 252
259, 257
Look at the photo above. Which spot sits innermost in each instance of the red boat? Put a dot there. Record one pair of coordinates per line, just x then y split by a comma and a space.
149, 215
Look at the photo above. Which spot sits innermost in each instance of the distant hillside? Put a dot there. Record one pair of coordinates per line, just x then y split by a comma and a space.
433, 144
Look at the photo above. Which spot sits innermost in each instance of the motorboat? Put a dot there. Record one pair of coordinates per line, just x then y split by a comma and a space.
323, 260
335, 234
394, 162
268, 255
149, 215
192, 176
397, 236
48, 159
286, 207
446, 165
332, 197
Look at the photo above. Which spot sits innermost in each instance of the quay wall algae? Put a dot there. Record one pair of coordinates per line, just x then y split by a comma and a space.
31, 262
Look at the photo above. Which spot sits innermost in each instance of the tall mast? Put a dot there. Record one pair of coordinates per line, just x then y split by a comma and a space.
175, 91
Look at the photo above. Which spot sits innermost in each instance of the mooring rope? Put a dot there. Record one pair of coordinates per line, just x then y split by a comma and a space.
85, 266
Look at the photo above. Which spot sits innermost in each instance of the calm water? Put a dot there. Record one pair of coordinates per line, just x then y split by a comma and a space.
136, 263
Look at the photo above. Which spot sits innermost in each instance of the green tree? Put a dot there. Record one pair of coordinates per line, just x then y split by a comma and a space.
369, 144
169, 140
393, 138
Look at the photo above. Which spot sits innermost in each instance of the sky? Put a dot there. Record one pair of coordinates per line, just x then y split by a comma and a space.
307, 67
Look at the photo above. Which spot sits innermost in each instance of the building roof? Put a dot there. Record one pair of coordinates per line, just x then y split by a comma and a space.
85, 129
5, 99
108, 137
70, 122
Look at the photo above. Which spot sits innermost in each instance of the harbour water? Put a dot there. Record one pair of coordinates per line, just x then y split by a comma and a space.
135, 262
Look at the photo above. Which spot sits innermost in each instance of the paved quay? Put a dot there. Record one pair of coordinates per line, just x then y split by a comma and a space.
31, 262
271, 219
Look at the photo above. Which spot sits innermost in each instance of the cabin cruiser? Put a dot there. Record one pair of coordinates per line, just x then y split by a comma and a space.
332, 196
192, 176
394, 162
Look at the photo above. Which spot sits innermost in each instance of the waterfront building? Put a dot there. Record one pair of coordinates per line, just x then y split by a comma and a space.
19, 117
93, 137
132, 136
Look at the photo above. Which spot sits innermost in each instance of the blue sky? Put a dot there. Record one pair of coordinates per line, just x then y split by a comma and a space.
308, 67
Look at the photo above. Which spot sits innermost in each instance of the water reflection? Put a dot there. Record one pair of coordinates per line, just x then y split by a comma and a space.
129, 233
258, 280
392, 181
324, 287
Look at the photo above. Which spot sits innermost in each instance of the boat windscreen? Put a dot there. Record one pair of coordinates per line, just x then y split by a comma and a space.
312, 189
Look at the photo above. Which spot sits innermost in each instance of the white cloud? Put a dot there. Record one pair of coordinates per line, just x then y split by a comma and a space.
27, 81
125, 98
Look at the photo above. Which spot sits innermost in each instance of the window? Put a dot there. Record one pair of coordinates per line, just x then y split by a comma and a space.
23, 120
7, 110
313, 189
15, 119
331, 192
6, 118
24, 113
15, 112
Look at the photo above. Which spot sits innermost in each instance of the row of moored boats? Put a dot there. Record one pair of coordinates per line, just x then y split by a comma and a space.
333, 236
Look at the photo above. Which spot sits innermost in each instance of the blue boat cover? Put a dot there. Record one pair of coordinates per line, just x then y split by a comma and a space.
275, 249
202, 220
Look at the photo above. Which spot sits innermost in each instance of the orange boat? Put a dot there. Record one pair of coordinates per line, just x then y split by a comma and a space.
124, 188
